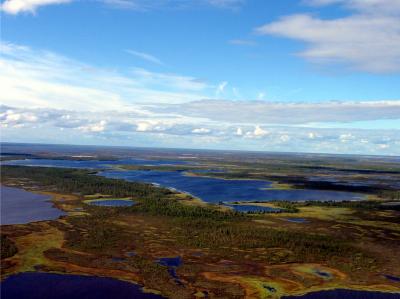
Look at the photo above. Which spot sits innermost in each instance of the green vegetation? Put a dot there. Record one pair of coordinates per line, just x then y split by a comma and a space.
301, 247
361, 205
8, 248
226, 253
82, 182
199, 226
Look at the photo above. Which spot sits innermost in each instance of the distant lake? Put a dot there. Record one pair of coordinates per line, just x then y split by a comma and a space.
215, 190
212, 190
19, 206
31, 285
345, 294
92, 164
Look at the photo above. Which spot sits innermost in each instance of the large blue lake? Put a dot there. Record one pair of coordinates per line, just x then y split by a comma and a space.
31, 285
19, 206
212, 190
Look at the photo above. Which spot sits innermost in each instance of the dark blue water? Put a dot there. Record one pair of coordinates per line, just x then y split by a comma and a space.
392, 278
253, 209
19, 206
296, 220
323, 274
32, 285
172, 263
215, 190
92, 164
346, 294
112, 203
212, 190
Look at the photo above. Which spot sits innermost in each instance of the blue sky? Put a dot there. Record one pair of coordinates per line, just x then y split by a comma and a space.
310, 75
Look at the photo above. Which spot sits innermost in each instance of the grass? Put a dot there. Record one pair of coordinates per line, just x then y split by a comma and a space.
164, 224
31, 247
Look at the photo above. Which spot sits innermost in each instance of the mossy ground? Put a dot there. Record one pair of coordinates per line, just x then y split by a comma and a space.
229, 264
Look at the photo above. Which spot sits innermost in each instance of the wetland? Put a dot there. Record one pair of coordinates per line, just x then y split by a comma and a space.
149, 237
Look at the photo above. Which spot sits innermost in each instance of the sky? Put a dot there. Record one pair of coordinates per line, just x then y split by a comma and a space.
265, 75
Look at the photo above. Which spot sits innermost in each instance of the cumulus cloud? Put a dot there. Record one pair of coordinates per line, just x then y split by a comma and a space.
186, 131
43, 93
20, 6
239, 132
201, 131
258, 131
14, 118
367, 40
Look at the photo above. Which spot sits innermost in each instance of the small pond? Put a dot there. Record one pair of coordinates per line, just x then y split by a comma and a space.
172, 263
295, 220
19, 206
392, 277
252, 208
34, 285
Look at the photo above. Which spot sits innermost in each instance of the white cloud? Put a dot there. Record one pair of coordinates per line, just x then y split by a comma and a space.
221, 88
169, 81
312, 135
263, 112
258, 132
35, 78
94, 128
44, 93
146, 126
346, 137
145, 56
284, 138
201, 131
368, 40
19, 6
179, 130
14, 118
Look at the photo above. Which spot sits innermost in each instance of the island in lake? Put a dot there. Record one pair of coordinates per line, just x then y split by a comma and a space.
100, 222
